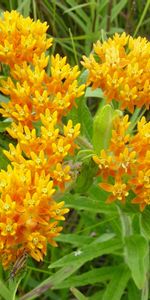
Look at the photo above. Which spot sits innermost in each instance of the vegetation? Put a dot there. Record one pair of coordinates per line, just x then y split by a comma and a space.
96, 174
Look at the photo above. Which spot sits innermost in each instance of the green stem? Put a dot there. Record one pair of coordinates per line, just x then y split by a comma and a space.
73, 47
34, 10
138, 113
142, 17
83, 142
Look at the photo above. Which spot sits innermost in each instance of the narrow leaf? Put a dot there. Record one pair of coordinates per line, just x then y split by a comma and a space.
117, 9
51, 282
4, 292
74, 239
145, 222
88, 253
117, 285
90, 204
83, 116
3, 160
78, 294
133, 291
4, 125
136, 253
94, 276
98, 93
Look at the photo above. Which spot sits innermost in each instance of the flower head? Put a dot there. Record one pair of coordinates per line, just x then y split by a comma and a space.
27, 211
29, 214
127, 159
121, 69
21, 38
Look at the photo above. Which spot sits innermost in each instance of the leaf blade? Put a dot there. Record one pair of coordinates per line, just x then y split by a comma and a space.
136, 253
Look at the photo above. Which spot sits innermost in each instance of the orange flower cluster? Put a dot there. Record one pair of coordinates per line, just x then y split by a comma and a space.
29, 212
21, 38
32, 90
120, 66
127, 160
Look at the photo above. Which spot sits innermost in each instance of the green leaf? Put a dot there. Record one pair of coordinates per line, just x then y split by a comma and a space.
52, 281
85, 119
145, 222
97, 296
91, 204
24, 7
97, 93
3, 160
4, 125
88, 253
5, 140
85, 179
74, 239
117, 9
4, 292
133, 292
94, 276
136, 254
4, 99
117, 285
78, 294
83, 116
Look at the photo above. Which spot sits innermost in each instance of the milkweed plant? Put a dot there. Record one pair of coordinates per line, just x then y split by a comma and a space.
58, 153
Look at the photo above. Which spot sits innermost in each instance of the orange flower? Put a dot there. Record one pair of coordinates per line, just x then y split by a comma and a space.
128, 160
120, 67
32, 91
21, 38
61, 175
119, 191
37, 102
27, 210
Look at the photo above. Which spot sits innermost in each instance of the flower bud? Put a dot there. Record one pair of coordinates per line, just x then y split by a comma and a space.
102, 127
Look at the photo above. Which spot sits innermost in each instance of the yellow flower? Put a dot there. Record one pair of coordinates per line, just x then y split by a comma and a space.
58, 211
119, 191
29, 214
60, 150
14, 153
26, 211
8, 227
121, 69
33, 91
37, 245
127, 159
21, 38
8, 206
61, 175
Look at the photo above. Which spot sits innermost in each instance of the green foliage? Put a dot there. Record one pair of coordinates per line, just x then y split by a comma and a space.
136, 252
82, 115
145, 224
4, 144
117, 285
4, 291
